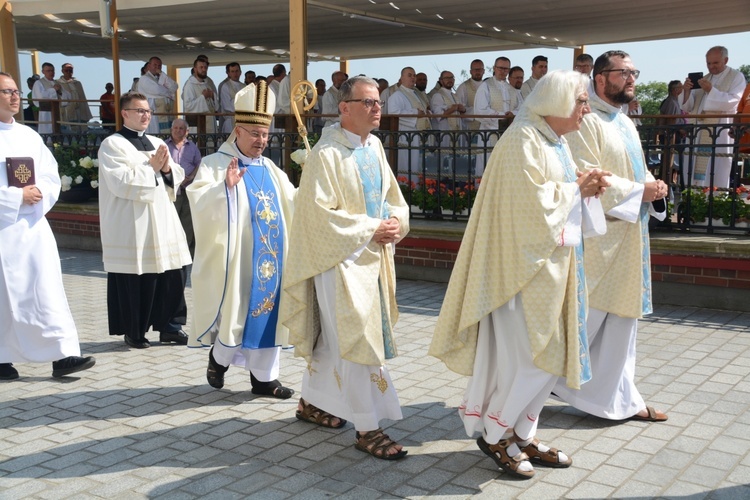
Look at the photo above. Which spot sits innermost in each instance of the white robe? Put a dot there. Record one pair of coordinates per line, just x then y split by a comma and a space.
330, 106
195, 102
160, 91
223, 270
43, 89
227, 90
409, 151
717, 102
78, 112
465, 94
35, 320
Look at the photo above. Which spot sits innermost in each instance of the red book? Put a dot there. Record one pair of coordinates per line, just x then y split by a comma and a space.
20, 171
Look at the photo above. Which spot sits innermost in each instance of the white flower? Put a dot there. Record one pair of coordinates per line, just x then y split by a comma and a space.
94, 184
72, 163
95, 161
66, 181
299, 156
79, 179
86, 162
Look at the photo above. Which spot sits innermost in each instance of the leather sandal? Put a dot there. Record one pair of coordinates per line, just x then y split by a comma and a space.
377, 443
550, 458
499, 453
653, 416
313, 414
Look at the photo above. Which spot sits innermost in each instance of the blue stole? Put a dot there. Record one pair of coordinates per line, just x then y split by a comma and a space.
367, 161
635, 153
583, 340
268, 248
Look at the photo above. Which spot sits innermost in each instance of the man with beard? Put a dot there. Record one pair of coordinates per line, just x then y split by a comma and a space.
447, 109
199, 97
515, 78
468, 89
719, 93
618, 269
421, 86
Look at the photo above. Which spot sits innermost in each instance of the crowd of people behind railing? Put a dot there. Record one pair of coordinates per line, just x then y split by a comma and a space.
440, 137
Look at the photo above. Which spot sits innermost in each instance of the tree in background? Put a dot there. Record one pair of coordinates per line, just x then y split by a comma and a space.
745, 70
651, 95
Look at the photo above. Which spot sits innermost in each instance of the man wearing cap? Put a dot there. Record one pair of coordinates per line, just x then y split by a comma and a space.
75, 110
339, 297
242, 207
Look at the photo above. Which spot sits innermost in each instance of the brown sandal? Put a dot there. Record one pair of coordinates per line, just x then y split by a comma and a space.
313, 414
377, 443
653, 416
499, 453
550, 458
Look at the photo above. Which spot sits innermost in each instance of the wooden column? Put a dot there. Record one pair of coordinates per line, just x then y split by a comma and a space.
297, 41
116, 62
344, 66
8, 49
173, 72
36, 66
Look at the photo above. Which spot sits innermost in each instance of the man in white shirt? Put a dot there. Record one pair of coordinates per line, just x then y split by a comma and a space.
199, 97
515, 78
330, 100
468, 89
446, 108
228, 88
719, 93
538, 70
496, 99
405, 101
76, 109
161, 91
46, 88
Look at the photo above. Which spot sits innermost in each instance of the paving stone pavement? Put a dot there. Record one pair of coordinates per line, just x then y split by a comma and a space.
145, 424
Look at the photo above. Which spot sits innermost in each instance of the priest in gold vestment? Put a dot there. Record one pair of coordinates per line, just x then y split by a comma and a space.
618, 268
340, 301
514, 313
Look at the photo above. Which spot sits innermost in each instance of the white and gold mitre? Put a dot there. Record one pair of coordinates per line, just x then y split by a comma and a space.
255, 105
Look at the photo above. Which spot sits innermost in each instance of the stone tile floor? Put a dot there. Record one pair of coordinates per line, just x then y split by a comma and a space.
145, 424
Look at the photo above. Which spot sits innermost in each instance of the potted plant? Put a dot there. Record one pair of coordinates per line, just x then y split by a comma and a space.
79, 173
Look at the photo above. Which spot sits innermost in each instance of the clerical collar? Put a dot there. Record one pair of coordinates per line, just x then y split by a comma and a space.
354, 139
605, 106
247, 160
129, 132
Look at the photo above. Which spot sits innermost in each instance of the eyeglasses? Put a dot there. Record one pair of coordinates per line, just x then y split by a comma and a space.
624, 73
11, 92
367, 102
255, 134
506, 68
140, 111
65, 70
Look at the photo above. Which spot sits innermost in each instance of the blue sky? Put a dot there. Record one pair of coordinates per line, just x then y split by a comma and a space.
657, 60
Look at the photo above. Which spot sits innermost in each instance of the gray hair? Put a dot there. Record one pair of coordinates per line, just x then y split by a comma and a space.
347, 88
556, 93
719, 48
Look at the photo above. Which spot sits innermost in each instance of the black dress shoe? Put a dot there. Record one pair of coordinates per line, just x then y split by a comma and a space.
71, 364
7, 372
215, 372
138, 344
178, 337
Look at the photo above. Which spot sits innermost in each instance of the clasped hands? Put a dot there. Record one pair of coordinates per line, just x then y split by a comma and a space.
159, 161
592, 182
388, 231
654, 190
